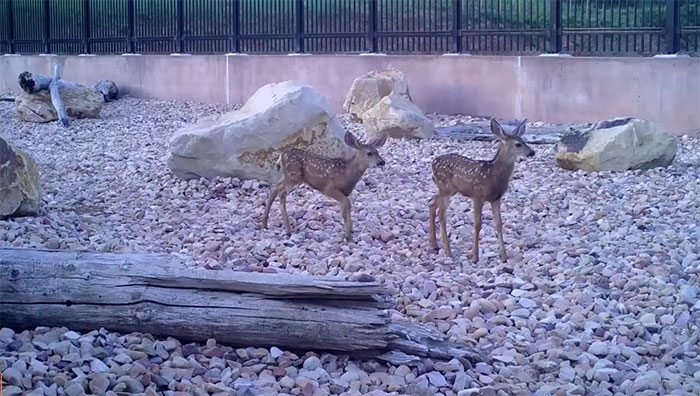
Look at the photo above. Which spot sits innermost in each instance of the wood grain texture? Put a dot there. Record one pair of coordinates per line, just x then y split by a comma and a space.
157, 294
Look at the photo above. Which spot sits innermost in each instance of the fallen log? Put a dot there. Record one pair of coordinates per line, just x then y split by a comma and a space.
481, 131
157, 294
33, 83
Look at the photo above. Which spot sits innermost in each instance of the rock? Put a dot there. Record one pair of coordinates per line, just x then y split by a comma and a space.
99, 384
397, 117
618, 144
98, 366
276, 352
689, 294
74, 389
648, 320
367, 90
598, 348
11, 391
6, 335
567, 374
19, 183
246, 143
12, 376
107, 88
437, 379
81, 102
312, 363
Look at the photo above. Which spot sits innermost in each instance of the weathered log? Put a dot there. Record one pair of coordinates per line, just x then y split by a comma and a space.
33, 83
157, 294
7, 99
481, 131
54, 88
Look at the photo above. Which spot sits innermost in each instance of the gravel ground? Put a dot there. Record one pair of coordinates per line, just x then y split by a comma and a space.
599, 296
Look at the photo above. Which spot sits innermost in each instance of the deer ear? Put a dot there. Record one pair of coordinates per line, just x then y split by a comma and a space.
379, 142
520, 130
350, 140
497, 130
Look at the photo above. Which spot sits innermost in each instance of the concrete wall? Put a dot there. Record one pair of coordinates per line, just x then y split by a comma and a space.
541, 88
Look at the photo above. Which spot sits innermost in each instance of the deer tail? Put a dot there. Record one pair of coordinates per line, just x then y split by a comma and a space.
278, 164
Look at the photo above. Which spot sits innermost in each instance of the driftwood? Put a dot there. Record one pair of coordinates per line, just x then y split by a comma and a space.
33, 83
481, 131
157, 294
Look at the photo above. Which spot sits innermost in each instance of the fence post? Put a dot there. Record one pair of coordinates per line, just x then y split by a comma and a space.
457, 24
236, 26
11, 14
130, 23
555, 27
86, 26
673, 26
300, 25
373, 26
47, 27
179, 33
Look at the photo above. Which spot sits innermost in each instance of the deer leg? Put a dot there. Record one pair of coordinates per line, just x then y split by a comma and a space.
344, 212
283, 206
496, 208
443, 203
432, 209
478, 205
273, 194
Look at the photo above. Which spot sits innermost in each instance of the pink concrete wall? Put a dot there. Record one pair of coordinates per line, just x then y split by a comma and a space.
552, 89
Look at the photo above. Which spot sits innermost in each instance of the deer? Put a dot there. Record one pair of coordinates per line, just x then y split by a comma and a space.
481, 180
335, 178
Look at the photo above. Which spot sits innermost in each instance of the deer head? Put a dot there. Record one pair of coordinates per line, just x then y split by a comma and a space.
366, 154
511, 144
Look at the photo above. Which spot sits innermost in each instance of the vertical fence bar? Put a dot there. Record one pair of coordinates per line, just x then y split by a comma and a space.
130, 24
236, 26
300, 26
457, 25
180, 29
555, 27
47, 27
673, 26
11, 22
86, 26
372, 31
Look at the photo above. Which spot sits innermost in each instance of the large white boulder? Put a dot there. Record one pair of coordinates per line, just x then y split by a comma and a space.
618, 144
382, 102
367, 90
80, 102
246, 143
397, 117
20, 193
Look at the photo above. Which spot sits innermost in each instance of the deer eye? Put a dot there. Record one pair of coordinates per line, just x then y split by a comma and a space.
370, 154
518, 145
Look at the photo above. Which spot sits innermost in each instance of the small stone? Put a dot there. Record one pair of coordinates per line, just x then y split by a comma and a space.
12, 376
648, 319
11, 391
689, 294
74, 390
98, 366
286, 382
71, 335
6, 335
99, 384
276, 352
437, 379
567, 374
122, 358
312, 363
598, 348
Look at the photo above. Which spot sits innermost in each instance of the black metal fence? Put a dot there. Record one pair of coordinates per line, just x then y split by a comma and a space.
579, 27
